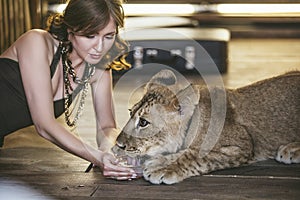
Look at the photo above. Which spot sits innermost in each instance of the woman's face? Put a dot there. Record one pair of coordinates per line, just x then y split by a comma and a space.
92, 48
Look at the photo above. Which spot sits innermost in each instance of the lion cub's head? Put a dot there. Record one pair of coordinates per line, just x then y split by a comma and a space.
158, 121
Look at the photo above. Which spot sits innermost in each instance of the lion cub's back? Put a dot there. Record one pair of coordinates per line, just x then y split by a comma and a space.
270, 109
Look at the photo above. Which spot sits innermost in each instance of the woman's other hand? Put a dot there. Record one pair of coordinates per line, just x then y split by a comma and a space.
111, 169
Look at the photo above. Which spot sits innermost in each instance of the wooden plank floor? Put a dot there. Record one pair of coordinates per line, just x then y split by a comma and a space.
32, 168
52, 173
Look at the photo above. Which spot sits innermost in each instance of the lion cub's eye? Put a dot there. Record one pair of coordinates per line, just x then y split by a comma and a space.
143, 122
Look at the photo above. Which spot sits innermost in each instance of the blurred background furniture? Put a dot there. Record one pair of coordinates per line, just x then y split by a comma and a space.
18, 16
247, 21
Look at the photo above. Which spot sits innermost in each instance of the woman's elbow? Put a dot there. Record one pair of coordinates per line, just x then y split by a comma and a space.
44, 129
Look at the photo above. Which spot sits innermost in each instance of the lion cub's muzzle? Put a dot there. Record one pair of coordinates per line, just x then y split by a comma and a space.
123, 146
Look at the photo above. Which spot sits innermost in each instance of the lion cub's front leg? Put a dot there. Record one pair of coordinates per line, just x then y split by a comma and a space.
289, 153
168, 169
174, 168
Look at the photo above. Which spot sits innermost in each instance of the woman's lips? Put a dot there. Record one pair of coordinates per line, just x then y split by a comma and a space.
95, 56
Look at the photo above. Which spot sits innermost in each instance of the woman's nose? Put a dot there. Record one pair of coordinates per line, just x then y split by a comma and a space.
99, 45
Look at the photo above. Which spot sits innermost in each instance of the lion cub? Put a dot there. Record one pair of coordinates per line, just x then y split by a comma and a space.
199, 129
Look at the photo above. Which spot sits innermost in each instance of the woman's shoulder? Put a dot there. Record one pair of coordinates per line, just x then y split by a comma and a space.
37, 36
36, 32
32, 39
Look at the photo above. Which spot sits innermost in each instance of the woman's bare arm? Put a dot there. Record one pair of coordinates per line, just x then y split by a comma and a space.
32, 52
106, 124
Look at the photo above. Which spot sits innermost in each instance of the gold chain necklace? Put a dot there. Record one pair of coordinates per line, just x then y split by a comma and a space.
68, 70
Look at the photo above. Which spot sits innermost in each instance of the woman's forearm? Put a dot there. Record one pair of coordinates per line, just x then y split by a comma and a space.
69, 142
106, 138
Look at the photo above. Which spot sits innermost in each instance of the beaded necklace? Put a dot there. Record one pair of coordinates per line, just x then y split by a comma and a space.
68, 70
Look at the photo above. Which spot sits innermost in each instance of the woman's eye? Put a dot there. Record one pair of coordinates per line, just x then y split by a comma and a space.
110, 37
90, 36
143, 122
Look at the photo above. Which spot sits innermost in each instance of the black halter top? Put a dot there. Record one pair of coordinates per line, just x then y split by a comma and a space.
14, 110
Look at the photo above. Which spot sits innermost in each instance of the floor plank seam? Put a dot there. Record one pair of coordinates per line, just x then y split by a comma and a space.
91, 195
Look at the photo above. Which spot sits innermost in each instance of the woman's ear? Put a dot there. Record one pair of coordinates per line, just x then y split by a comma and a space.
70, 33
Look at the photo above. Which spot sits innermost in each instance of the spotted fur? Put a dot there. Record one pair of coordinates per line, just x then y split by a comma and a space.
168, 127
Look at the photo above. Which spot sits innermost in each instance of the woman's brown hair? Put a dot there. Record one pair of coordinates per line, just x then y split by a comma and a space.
87, 17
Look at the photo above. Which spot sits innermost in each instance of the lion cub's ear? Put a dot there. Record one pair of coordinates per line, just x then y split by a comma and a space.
164, 77
188, 98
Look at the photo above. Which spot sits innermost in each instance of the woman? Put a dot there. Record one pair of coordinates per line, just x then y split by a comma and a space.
43, 70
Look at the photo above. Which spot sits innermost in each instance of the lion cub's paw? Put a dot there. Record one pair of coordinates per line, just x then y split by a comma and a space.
157, 171
289, 153
163, 175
